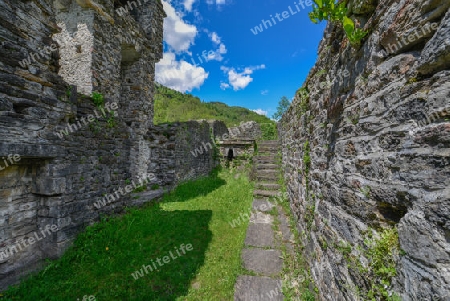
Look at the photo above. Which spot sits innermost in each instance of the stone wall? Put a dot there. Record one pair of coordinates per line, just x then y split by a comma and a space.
246, 130
171, 148
366, 146
73, 154
219, 129
237, 149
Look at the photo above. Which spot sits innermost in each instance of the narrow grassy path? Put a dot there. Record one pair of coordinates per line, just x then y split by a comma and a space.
103, 258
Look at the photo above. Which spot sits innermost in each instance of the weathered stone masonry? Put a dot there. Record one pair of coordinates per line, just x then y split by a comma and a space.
374, 161
57, 180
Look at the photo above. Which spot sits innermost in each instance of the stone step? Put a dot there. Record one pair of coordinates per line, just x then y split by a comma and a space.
266, 154
266, 166
268, 148
267, 172
271, 178
261, 218
262, 205
265, 193
269, 142
266, 159
264, 262
250, 288
268, 186
260, 235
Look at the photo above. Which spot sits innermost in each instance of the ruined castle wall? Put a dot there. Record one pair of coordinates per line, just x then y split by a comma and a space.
246, 130
376, 133
28, 104
173, 154
72, 153
219, 129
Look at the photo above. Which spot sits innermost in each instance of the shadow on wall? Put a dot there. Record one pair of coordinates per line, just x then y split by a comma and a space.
100, 259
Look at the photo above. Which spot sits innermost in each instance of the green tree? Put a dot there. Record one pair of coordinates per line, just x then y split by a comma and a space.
283, 105
173, 106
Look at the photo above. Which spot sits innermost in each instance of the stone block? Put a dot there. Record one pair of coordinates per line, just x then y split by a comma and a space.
49, 186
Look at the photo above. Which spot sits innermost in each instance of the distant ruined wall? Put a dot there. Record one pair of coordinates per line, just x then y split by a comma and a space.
72, 154
376, 131
250, 129
219, 129
172, 146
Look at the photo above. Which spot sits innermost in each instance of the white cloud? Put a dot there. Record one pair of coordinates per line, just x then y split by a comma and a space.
177, 34
260, 112
224, 86
217, 55
264, 92
214, 55
214, 37
240, 80
179, 75
222, 49
188, 4
217, 2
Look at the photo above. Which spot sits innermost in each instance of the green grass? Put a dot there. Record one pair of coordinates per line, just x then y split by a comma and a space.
103, 257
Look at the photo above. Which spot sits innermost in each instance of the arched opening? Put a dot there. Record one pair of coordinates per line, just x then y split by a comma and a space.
230, 154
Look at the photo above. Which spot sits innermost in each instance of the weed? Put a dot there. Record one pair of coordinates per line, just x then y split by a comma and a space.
366, 191
140, 189
295, 270
321, 72
412, 80
95, 126
98, 99
309, 215
303, 94
69, 91
344, 247
380, 253
111, 119
354, 119
306, 157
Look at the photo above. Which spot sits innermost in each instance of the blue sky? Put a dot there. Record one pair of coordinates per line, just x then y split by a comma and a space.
211, 50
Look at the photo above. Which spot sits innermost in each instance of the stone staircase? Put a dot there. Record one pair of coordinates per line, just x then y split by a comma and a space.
261, 255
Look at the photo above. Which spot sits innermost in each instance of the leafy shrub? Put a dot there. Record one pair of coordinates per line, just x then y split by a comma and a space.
336, 12
269, 131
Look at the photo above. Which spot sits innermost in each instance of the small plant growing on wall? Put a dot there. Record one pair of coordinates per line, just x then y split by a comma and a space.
336, 12
98, 99
303, 105
69, 91
111, 119
306, 157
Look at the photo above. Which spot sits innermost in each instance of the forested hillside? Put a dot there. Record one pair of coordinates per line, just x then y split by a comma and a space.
171, 106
